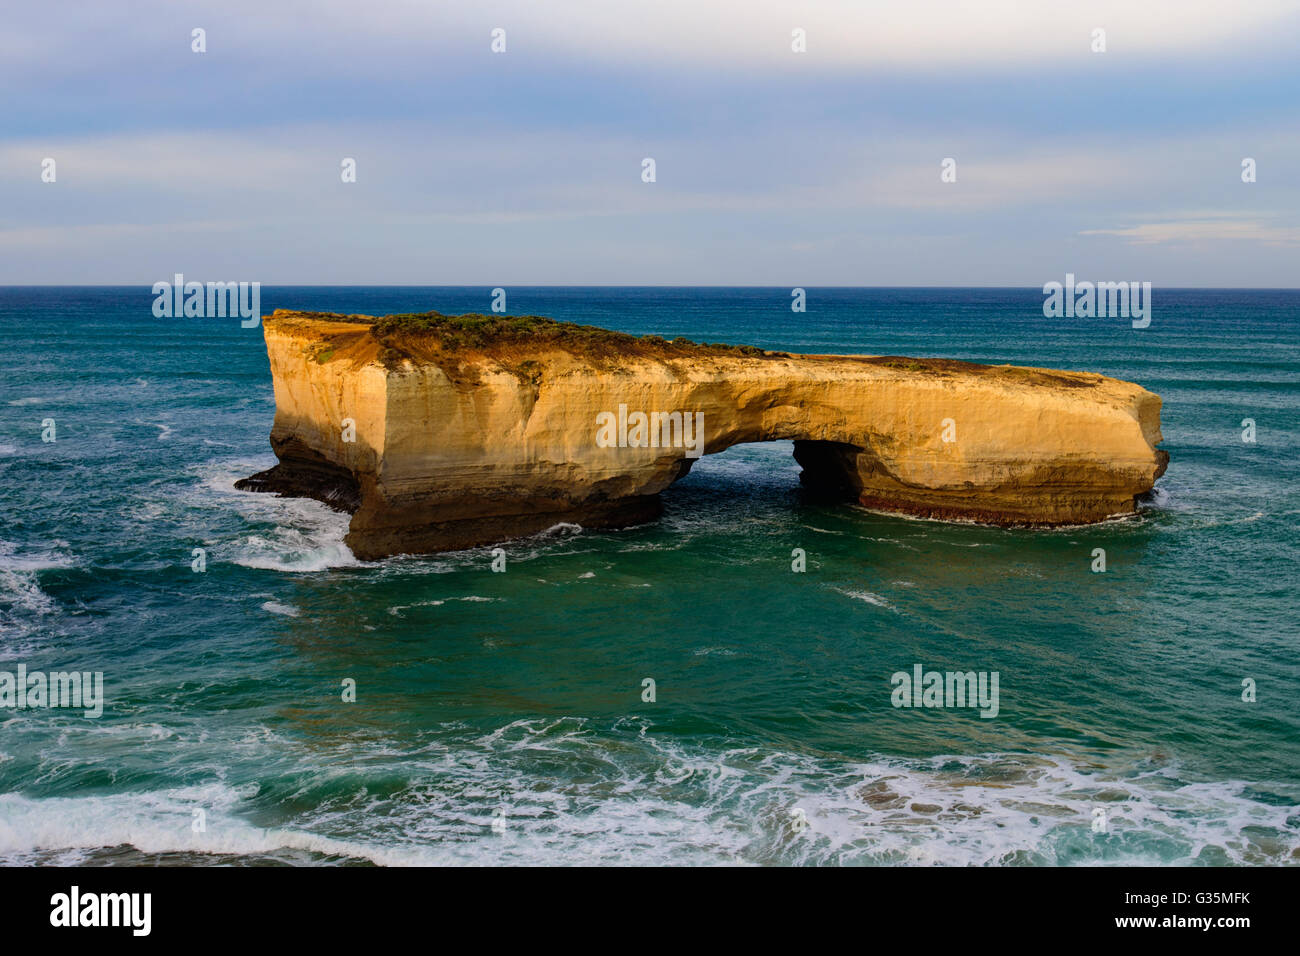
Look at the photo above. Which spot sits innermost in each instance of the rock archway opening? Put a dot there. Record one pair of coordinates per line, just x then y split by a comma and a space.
820, 471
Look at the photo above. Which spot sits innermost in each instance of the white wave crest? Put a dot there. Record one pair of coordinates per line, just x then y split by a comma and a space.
162, 822
303, 536
867, 596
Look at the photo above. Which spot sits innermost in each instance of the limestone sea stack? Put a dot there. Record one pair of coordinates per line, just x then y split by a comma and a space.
445, 432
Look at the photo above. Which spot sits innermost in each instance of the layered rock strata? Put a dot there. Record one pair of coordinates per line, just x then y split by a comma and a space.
445, 432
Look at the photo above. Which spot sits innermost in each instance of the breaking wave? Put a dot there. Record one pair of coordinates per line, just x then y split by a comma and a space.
642, 799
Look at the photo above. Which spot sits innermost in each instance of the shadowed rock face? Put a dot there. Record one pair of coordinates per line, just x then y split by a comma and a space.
436, 438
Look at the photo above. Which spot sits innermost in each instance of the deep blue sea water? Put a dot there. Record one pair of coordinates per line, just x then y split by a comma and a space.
516, 697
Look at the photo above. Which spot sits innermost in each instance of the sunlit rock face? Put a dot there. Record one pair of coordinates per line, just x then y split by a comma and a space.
439, 433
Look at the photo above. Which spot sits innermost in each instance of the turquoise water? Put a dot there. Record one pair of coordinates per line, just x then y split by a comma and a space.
518, 696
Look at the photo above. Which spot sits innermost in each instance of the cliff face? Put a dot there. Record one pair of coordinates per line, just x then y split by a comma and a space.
455, 445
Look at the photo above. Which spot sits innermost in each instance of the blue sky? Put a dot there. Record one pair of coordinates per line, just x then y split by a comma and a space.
773, 168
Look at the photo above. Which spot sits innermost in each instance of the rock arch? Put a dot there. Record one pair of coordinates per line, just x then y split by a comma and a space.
502, 441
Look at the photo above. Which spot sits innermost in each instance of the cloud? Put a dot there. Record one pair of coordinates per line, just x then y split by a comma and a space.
850, 34
476, 166
704, 35
409, 173
1220, 229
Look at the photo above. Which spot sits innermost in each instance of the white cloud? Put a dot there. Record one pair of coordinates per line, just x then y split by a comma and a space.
851, 34
936, 36
411, 173
1218, 229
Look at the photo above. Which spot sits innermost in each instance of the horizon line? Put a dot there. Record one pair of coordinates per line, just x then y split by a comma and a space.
526, 285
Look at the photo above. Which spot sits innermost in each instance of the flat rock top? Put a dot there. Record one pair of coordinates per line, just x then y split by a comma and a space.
453, 342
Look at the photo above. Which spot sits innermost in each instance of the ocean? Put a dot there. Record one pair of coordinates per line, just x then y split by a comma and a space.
499, 717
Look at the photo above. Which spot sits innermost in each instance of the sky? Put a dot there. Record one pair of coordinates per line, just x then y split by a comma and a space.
772, 167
